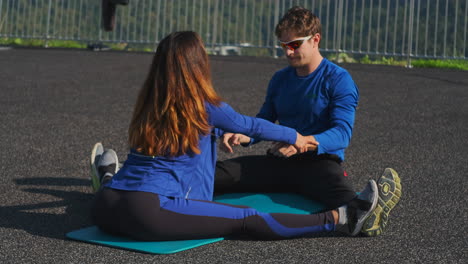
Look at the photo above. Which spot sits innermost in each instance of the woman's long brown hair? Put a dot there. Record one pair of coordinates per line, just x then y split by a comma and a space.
169, 115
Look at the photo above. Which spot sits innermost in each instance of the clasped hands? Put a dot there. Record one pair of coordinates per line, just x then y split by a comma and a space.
278, 149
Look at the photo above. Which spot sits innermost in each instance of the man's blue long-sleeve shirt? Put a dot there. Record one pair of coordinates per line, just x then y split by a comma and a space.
322, 104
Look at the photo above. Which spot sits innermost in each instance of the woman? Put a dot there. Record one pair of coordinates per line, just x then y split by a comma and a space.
164, 190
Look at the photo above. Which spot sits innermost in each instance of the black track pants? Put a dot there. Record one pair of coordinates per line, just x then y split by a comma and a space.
148, 216
318, 177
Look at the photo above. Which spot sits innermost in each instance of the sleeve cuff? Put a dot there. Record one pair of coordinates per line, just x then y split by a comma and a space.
251, 142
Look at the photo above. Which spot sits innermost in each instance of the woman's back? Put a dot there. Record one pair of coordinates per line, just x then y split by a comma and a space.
191, 175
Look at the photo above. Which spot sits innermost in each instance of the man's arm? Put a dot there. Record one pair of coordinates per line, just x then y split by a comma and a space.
344, 97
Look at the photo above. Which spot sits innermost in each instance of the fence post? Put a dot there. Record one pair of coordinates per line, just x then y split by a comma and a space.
1, 22
48, 25
100, 23
339, 22
215, 28
275, 21
410, 35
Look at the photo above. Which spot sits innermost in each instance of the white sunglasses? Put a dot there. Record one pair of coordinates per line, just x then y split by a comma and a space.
294, 44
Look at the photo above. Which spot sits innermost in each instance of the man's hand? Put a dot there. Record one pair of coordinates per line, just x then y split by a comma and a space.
303, 143
284, 150
229, 140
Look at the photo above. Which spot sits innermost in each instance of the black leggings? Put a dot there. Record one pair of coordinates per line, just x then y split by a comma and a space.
151, 217
320, 178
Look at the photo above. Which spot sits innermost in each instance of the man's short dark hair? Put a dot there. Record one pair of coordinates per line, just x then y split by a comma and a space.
299, 20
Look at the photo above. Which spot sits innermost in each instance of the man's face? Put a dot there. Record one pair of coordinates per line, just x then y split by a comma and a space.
303, 55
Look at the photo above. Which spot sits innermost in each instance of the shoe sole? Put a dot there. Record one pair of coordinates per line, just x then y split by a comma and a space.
389, 186
363, 218
98, 149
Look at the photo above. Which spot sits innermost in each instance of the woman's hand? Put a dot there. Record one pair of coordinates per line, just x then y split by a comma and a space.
229, 140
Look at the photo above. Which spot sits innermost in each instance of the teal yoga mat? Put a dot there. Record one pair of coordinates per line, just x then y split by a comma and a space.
268, 203
95, 236
272, 202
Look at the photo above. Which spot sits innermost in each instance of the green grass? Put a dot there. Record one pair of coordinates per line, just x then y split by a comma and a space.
346, 58
448, 64
42, 43
417, 63
383, 61
341, 58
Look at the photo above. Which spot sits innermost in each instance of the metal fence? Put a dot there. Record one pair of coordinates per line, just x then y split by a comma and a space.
408, 28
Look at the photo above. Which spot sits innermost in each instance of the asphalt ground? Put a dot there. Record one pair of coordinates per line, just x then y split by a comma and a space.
55, 104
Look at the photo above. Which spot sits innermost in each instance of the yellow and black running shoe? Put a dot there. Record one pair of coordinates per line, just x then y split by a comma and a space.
389, 186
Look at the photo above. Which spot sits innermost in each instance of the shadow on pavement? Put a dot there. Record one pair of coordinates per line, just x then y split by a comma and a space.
52, 219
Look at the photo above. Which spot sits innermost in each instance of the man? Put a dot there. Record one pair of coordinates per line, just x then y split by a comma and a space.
315, 97
108, 9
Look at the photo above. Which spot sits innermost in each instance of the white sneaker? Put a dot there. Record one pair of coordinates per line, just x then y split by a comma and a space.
96, 154
108, 165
